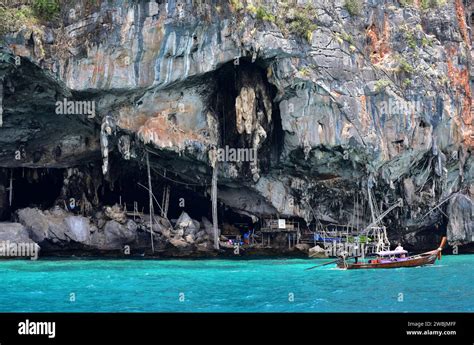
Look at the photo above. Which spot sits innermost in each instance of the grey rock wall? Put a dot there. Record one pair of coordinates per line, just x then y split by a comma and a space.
335, 103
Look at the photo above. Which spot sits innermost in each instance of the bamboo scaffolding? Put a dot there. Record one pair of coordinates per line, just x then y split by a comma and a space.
214, 206
151, 201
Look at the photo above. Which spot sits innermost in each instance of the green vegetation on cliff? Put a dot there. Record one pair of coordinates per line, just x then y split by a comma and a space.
299, 21
27, 13
302, 24
12, 19
46, 9
354, 7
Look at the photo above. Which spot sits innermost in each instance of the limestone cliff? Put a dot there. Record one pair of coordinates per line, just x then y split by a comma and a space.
340, 100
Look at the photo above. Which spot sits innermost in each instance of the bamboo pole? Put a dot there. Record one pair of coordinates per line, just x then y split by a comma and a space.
166, 201
10, 197
156, 201
321, 265
163, 197
369, 193
150, 200
215, 225
214, 206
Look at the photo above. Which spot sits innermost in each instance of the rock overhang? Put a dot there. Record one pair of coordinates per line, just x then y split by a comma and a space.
333, 109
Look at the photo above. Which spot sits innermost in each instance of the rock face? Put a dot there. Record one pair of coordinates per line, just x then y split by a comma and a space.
44, 225
15, 233
338, 105
303, 247
78, 228
16, 242
461, 220
116, 235
57, 228
317, 252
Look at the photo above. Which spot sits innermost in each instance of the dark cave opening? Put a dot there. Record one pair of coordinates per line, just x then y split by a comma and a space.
30, 188
42, 188
125, 185
197, 204
130, 189
230, 79
226, 93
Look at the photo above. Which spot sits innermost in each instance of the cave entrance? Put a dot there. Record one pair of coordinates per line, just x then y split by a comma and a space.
191, 201
30, 188
43, 188
196, 202
231, 81
128, 189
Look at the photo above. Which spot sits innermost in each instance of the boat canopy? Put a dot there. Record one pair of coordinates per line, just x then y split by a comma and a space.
391, 252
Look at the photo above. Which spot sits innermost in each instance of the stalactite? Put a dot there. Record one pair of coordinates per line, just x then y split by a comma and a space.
104, 143
106, 130
124, 147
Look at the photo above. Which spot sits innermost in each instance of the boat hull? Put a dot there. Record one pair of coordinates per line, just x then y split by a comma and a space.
414, 261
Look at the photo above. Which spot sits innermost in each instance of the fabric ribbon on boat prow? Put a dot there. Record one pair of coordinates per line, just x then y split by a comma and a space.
441, 246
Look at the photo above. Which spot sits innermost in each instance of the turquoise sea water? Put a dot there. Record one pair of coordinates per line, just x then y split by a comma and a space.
232, 286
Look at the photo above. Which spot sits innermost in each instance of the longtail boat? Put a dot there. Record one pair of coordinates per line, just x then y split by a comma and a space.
395, 259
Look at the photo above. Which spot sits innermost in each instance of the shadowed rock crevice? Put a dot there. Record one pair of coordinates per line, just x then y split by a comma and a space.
248, 115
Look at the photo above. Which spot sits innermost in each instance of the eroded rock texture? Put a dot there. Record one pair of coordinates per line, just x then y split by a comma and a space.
372, 102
